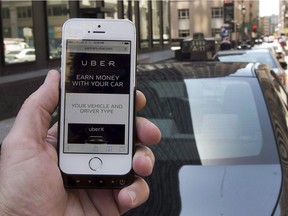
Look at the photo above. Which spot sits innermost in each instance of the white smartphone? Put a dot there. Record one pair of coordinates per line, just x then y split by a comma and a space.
96, 129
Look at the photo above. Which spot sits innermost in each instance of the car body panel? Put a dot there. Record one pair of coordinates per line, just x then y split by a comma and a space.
264, 56
196, 155
276, 46
235, 190
25, 55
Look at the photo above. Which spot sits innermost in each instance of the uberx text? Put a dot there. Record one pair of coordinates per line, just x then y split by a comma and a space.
93, 129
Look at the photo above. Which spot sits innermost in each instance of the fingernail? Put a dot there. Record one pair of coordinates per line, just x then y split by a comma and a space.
152, 159
132, 195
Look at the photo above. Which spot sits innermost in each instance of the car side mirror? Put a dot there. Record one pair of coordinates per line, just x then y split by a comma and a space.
283, 65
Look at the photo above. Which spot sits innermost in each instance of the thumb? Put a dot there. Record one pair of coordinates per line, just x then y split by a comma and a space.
33, 119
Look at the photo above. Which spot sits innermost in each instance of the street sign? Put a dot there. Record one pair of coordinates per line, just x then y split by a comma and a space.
27, 32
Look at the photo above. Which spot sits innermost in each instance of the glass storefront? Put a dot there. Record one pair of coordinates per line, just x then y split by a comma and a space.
156, 10
31, 31
144, 23
31, 26
165, 19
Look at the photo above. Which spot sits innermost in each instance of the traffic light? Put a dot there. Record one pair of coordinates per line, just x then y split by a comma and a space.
254, 27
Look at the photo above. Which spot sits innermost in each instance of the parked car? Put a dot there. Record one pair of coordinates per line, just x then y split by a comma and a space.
25, 55
280, 52
224, 140
14, 44
264, 56
10, 56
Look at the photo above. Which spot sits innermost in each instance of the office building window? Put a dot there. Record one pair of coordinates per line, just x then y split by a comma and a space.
183, 14
156, 7
5, 13
215, 32
129, 10
57, 10
24, 12
144, 25
57, 14
113, 10
166, 27
17, 32
184, 33
217, 12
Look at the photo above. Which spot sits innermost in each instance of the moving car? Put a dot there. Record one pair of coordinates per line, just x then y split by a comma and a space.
264, 56
224, 140
244, 45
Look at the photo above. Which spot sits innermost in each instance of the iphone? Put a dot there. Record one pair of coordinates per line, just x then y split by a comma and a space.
96, 125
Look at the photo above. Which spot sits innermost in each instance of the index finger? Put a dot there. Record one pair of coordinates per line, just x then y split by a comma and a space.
140, 100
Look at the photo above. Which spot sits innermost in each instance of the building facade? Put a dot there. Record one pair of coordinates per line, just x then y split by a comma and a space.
270, 26
283, 17
210, 17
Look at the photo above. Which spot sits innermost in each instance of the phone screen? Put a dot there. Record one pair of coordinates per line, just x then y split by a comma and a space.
97, 97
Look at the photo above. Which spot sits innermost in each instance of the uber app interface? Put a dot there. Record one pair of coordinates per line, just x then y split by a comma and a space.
97, 86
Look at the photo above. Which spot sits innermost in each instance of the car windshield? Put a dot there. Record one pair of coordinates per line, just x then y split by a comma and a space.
209, 120
261, 57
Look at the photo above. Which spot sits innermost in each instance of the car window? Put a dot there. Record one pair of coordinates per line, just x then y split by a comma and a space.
219, 116
13, 53
213, 119
31, 53
264, 58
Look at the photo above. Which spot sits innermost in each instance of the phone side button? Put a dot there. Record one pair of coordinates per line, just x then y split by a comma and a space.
95, 164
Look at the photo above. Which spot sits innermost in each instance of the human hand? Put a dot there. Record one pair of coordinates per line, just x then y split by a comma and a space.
31, 182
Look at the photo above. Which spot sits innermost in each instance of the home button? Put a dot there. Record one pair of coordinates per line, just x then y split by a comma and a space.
95, 164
